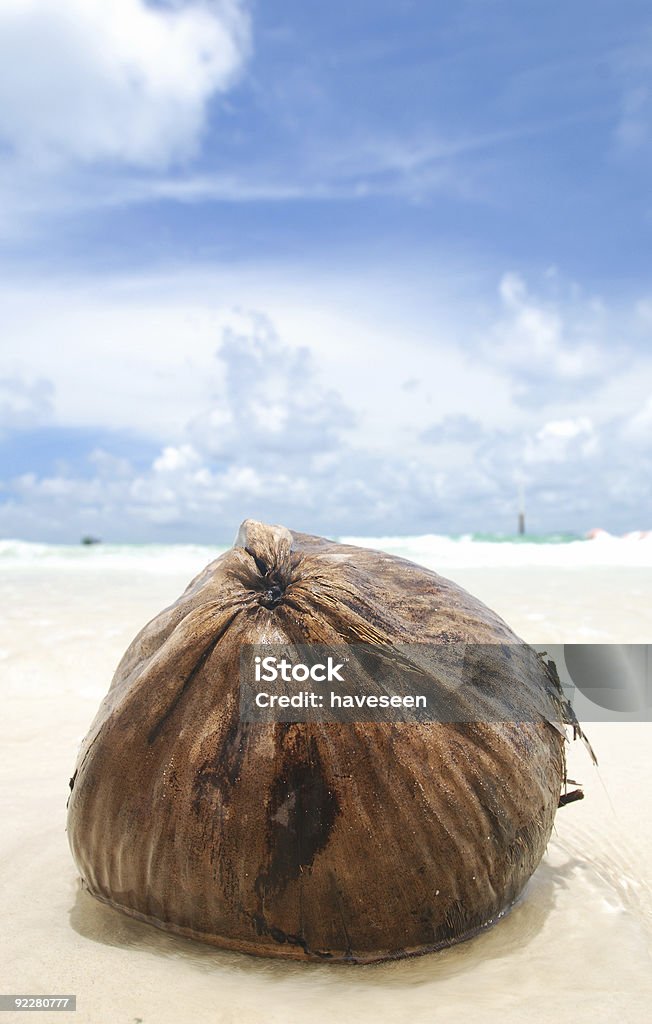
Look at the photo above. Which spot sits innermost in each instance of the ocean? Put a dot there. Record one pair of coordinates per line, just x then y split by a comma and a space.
436, 551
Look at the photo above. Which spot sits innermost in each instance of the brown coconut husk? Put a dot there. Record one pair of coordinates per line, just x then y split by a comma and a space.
327, 841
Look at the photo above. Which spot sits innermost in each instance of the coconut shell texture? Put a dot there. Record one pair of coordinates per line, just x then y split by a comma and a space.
315, 841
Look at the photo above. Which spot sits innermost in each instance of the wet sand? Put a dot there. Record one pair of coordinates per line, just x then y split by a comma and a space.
577, 946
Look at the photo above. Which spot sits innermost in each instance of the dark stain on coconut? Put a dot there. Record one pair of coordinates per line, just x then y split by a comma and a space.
220, 774
287, 840
300, 815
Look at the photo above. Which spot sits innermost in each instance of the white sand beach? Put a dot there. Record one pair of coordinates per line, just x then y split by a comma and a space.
577, 946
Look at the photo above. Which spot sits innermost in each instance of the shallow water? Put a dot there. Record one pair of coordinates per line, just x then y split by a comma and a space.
577, 945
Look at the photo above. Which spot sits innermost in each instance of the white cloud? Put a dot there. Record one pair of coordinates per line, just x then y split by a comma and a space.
546, 340
638, 426
118, 359
562, 440
272, 404
271, 443
311, 425
137, 354
565, 430
91, 80
107, 465
24, 403
353, 168
172, 459
457, 429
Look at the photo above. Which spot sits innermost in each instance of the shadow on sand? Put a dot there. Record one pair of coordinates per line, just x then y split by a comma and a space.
103, 924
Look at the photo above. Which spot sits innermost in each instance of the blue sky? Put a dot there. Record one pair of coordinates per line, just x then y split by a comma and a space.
359, 268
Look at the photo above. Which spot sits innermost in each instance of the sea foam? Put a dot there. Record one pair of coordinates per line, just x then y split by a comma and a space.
436, 551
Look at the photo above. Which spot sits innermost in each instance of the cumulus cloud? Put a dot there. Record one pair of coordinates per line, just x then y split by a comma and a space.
275, 436
125, 81
185, 495
271, 440
172, 459
562, 441
272, 405
354, 491
560, 343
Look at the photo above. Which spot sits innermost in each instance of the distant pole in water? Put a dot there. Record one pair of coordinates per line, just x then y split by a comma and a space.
521, 512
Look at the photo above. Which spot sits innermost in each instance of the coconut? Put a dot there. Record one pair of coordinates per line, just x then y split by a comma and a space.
320, 840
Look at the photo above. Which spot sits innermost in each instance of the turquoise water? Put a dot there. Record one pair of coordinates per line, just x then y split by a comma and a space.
12, 548
515, 538
436, 551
